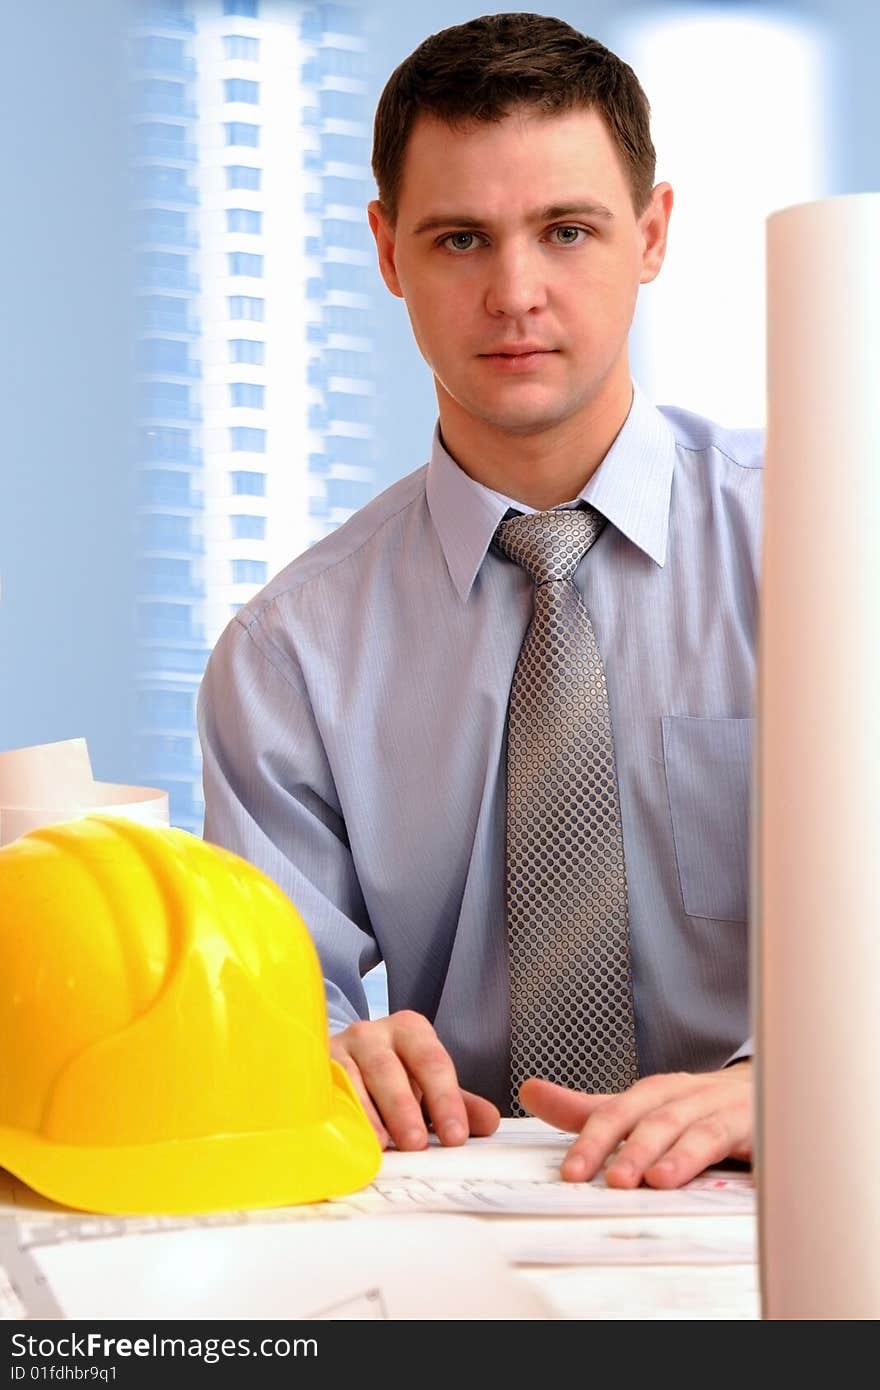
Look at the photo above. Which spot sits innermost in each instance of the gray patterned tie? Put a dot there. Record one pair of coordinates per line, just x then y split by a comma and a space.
571, 1007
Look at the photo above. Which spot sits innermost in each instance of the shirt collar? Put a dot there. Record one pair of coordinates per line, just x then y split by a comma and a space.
631, 488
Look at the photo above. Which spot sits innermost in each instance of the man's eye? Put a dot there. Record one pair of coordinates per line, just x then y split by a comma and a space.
460, 241
568, 236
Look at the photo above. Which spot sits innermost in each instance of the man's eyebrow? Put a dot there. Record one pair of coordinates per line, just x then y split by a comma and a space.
549, 214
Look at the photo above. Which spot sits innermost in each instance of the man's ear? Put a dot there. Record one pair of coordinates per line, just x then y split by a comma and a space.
385, 239
655, 228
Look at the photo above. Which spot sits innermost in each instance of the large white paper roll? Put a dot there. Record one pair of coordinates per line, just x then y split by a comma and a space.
816, 886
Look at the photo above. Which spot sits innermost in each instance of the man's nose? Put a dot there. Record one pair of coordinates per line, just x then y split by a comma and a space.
516, 282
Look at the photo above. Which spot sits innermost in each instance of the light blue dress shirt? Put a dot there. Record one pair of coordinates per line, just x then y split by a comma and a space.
352, 719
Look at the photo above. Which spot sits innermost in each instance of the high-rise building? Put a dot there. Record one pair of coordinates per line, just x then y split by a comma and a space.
254, 366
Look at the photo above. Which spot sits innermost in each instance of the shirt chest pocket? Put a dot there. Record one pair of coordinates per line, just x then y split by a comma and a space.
708, 775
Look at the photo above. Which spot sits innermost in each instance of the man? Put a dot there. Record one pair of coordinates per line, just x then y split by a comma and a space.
495, 729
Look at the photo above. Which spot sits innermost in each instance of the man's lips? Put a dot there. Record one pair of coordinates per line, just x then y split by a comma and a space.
517, 359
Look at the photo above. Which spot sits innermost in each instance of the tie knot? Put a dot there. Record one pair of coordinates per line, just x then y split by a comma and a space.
550, 545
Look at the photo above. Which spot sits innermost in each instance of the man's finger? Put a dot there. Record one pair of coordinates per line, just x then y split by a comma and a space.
557, 1105
432, 1072
353, 1071
374, 1048
483, 1117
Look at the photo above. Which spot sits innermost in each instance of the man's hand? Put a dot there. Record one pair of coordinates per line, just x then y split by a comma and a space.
403, 1073
669, 1127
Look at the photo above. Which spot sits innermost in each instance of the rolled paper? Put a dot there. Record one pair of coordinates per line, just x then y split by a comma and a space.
53, 782
816, 822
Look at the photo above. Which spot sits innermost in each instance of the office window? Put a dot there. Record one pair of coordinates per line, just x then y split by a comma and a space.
240, 133
340, 363
163, 398
159, 97
248, 484
165, 620
239, 46
245, 306
161, 224
162, 532
353, 236
248, 8
344, 449
164, 487
348, 492
173, 709
356, 409
347, 149
341, 19
340, 318
351, 193
244, 220
242, 176
157, 182
244, 439
247, 350
342, 106
155, 52
241, 89
163, 355
339, 275
159, 575
244, 263
249, 571
166, 442
342, 62
247, 393
248, 528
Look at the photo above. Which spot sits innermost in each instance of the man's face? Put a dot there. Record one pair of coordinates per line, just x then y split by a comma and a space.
520, 293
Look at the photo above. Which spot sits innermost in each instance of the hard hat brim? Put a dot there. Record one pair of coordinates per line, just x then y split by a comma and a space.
331, 1158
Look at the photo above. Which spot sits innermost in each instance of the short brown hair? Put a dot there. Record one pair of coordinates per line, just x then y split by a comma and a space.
481, 70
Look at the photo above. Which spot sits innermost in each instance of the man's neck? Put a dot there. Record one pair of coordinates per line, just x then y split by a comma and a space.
542, 469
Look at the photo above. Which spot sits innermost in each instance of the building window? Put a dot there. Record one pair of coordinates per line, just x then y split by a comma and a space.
244, 220
245, 306
353, 236
342, 62
248, 528
349, 193
346, 149
342, 106
247, 350
239, 46
241, 89
240, 133
164, 355
248, 8
163, 398
162, 532
160, 575
166, 709
245, 263
165, 620
339, 275
160, 98
248, 484
248, 394
347, 493
249, 571
243, 439
166, 442
155, 52
242, 176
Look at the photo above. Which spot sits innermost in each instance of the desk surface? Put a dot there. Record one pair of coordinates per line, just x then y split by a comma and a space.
487, 1230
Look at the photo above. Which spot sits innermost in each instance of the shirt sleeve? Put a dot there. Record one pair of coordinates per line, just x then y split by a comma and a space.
270, 797
742, 1054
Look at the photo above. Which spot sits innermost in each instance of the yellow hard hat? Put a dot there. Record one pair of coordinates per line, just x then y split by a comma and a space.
164, 1029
